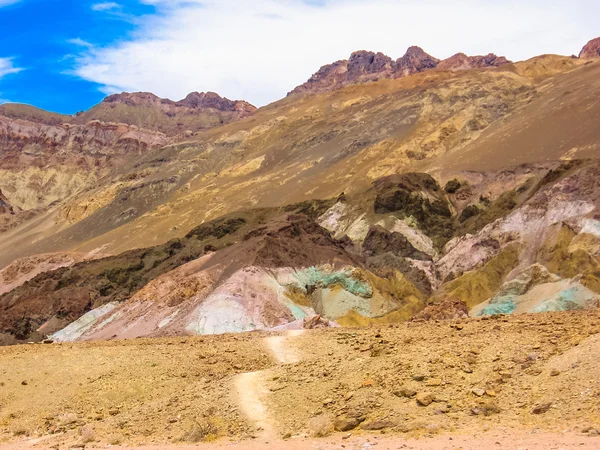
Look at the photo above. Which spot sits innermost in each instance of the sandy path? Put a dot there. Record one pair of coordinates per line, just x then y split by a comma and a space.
250, 387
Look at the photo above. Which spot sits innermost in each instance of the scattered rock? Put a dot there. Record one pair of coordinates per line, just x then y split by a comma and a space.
346, 423
405, 392
433, 382
425, 398
478, 392
541, 409
376, 425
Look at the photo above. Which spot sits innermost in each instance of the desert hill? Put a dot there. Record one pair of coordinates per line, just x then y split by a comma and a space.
437, 186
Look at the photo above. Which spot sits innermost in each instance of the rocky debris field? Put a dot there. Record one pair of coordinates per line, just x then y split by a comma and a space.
419, 380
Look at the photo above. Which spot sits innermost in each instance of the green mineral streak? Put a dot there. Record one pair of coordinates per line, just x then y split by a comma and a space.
317, 278
500, 305
565, 301
296, 311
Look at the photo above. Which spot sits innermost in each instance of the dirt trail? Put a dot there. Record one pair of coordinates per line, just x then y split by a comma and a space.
251, 389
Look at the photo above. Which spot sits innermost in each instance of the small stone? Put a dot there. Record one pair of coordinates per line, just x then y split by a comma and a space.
346, 423
554, 373
541, 409
444, 409
48, 341
405, 392
425, 398
418, 377
328, 401
490, 393
368, 383
24, 383
478, 392
433, 382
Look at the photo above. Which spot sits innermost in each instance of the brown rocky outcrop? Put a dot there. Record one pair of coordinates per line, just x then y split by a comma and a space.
364, 66
193, 101
591, 49
368, 66
460, 61
414, 60
450, 308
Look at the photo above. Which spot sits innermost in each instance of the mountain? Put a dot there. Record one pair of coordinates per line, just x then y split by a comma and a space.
196, 112
591, 49
364, 66
46, 158
434, 189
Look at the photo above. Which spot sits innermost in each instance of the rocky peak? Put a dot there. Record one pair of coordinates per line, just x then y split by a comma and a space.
363, 63
414, 60
364, 66
194, 100
204, 100
134, 99
329, 77
591, 49
460, 61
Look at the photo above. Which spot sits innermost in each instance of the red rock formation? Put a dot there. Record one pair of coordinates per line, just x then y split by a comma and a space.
414, 60
368, 66
41, 144
194, 101
591, 49
329, 77
364, 66
460, 61
450, 308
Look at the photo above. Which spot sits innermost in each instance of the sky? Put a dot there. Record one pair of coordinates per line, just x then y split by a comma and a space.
65, 56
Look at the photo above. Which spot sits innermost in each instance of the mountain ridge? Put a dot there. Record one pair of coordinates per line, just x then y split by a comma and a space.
365, 66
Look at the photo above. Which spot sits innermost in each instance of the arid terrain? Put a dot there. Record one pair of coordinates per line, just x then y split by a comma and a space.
400, 253
420, 380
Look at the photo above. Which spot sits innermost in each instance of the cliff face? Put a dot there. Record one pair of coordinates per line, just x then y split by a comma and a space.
364, 66
44, 164
591, 49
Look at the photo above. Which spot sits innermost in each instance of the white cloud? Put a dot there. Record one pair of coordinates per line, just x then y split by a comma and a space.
7, 67
105, 6
260, 50
8, 2
80, 42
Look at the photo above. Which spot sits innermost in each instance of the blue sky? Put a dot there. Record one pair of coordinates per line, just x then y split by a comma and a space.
40, 37
65, 56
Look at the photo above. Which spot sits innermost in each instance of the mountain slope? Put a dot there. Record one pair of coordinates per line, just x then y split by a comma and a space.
465, 188
302, 148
